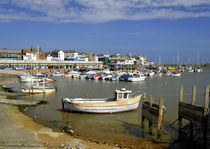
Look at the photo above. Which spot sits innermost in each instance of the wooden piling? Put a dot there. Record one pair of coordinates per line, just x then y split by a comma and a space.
160, 119
151, 101
181, 94
143, 122
206, 104
150, 127
193, 103
144, 97
179, 115
193, 95
205, 125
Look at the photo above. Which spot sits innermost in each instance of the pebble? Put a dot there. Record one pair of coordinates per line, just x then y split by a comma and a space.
117, 145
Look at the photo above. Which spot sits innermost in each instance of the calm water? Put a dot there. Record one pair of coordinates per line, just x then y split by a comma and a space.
119, 126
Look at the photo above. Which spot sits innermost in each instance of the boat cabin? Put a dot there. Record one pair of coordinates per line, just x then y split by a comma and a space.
122, 94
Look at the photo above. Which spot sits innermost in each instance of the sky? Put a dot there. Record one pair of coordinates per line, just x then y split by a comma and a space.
169, 29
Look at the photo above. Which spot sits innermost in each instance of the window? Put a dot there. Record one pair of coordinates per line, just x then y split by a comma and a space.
125, 95
120, 95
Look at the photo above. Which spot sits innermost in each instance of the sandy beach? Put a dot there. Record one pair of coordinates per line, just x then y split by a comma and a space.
21, 131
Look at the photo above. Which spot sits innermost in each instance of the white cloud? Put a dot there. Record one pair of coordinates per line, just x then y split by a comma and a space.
93, 11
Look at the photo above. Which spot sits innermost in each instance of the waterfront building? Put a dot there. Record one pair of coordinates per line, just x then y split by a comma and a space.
56, 55
31, 53
30, 56
10, 54
71, 55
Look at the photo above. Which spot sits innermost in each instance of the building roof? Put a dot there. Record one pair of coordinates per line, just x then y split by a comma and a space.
10, 51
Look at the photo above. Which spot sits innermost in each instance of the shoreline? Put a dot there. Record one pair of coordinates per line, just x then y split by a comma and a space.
44, 136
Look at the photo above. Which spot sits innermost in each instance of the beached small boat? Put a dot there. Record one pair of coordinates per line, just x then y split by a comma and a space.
37, 89
122, 102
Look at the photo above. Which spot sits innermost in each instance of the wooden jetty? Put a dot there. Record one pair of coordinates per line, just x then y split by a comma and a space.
154, 113
197, 115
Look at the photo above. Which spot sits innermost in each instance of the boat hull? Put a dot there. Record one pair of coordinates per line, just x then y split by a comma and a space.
38, 91
136, 79
102, 107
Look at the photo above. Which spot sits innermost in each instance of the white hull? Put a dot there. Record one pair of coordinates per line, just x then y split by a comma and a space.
38, 91
102, 105
136, 79
112, 109
176, 75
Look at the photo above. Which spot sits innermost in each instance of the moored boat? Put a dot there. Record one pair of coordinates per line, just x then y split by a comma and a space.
137, 77
38, 89
121, 103
57, 74
47, 80
176, 73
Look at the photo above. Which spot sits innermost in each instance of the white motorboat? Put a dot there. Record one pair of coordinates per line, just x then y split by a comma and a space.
57, 74
137, 77
121, 103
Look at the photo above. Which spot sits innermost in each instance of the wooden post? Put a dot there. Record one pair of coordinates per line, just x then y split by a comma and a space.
151, 101
144, 97
150, 123
179, 117
206, 100
160, 119
181, 94
150, 127
206, 115
193, 95
193, 103
143, 122
143, 118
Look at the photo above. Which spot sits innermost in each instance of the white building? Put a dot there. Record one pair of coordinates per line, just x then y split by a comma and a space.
30, 56
61, 55
57, 55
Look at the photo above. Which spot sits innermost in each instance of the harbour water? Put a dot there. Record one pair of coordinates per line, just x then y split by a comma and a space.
122, 128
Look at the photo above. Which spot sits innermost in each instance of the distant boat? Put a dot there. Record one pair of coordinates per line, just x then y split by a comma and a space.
121, 103
57, 74
34, 89
125, 77
28, 78
137, 77
38, 89
46, 80
198, 69
72, 73
176, 73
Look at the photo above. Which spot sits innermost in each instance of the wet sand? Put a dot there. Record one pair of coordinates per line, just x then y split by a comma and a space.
23, 131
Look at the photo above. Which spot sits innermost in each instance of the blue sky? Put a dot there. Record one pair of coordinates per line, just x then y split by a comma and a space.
151, 28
